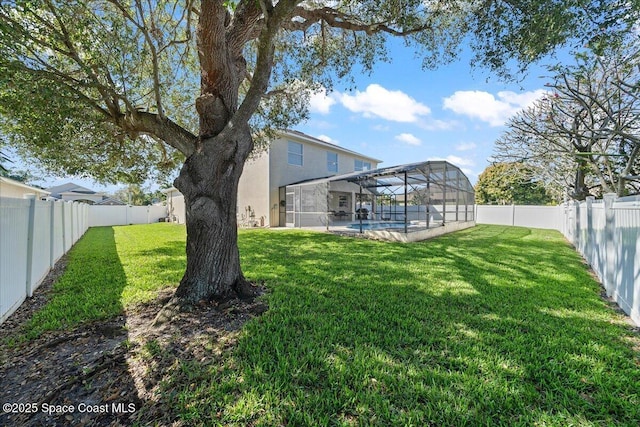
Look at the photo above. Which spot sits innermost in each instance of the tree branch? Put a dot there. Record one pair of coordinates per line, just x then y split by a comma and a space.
337, 19
264, 62
165, 129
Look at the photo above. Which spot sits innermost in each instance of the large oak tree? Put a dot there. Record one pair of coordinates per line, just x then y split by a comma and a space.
116, 88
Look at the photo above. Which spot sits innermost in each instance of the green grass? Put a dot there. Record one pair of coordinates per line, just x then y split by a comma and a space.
488, 326
102, 276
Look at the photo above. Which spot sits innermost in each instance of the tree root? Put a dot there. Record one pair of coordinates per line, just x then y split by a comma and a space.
169, 311
246, 290
242, 290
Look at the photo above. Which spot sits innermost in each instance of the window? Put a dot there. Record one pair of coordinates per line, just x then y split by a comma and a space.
294, 154
332, 161
361, 165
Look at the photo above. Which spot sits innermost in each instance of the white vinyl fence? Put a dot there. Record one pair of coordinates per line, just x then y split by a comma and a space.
125, 215
549, 217
605, 232
33, 235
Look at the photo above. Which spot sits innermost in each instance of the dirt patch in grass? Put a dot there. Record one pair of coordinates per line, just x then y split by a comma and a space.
110, 373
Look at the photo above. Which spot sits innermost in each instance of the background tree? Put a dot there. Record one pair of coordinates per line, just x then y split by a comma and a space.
107, 87
510, 183
584, 134
3, 160
136, 195
20, 175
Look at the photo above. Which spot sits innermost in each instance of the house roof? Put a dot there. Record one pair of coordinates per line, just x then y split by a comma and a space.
69, 188
110, 201
22, 185
308, 138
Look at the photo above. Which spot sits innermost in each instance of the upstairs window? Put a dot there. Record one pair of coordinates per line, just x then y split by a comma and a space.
361, 165
294, 154
332, 161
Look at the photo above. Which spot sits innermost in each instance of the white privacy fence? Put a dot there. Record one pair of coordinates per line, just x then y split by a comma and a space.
549, 217
125, 215
33, 235
605, 232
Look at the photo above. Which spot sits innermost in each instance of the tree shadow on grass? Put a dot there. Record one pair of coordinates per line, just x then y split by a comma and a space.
94, 361
73, 370
362, 332
488, 326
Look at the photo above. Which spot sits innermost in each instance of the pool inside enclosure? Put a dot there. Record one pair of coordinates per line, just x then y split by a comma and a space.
404, 199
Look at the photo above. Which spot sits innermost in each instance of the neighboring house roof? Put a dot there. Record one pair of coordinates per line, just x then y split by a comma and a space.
70, 189
313, 140
110, 201
21, 185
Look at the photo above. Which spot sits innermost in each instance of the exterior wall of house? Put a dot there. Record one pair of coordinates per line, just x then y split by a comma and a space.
176, 209
17, 190
253, 192
314, 161
266, 173
314, 165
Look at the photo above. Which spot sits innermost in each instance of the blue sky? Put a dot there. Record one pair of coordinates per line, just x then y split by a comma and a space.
402, 113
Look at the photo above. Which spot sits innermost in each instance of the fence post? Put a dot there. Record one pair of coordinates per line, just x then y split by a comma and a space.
30, 237
513, 214
610, 246
589, 238
577, 226
62, 221
52, 235
73, 240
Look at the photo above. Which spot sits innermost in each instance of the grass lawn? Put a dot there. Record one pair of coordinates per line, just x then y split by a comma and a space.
488, 326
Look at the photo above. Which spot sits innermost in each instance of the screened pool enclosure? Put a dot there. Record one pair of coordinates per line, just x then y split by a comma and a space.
406, 202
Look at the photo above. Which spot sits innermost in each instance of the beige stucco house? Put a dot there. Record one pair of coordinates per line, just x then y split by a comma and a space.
18, 190
292, 158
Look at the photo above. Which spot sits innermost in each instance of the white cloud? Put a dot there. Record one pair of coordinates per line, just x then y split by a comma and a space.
458, 161
486, 107
439, 125
408, 138
320, 102
381, 128
328, 139
466, 146
393, 105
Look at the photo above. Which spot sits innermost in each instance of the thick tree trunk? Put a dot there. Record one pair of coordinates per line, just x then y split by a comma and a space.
209, 178
580, 189
209, 183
